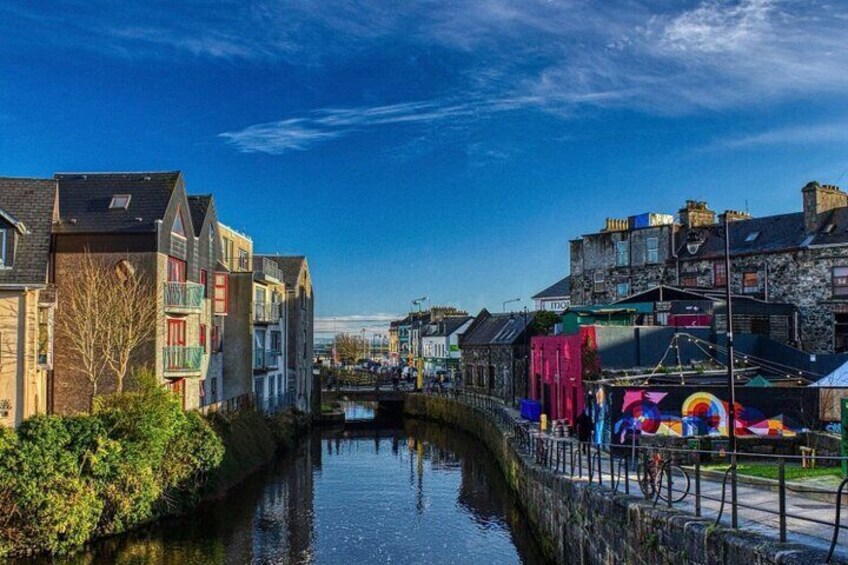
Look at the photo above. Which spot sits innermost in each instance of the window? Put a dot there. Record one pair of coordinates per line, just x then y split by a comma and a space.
176, 333
598, 280
622, 289
752, 236
211, 238
719, 273
622, 254
221, 296
840, 281
227, 251
120, 202
689, 281
243, 260
750, 282
653, 253
176, 270
179, 226
215, 338
276, 341
204, 280
3, 255
203, 337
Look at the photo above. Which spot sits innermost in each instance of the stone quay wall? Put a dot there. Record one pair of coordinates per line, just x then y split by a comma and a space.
590, 524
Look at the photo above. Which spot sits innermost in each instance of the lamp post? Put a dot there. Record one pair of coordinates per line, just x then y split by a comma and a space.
505, 302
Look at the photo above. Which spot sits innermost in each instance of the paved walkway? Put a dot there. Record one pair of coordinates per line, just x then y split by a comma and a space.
809, 521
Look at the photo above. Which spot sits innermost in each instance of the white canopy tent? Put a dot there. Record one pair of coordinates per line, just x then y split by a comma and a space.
837, 379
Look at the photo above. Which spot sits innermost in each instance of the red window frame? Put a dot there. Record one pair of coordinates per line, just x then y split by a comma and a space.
719, 274
215, 338
176, 332
221, 294
176, 270
203, 337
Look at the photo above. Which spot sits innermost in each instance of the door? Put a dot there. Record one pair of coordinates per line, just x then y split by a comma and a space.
840, 333
175, 350
178, 387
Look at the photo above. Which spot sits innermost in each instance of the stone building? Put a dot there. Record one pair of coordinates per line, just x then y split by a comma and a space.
495, 353
28, 208
237, 344
143, 224
798, 258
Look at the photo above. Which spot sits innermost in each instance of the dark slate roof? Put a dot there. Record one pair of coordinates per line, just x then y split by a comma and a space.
290, 265
783, 232
30, 202
198, 207
559, 289
837, 218
445, 326
84, 201
496, 329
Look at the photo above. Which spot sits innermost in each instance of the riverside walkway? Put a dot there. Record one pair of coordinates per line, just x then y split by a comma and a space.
808, 518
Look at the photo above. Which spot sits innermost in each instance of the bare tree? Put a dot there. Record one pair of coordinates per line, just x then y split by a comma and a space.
132, 320
350, 348
82, 323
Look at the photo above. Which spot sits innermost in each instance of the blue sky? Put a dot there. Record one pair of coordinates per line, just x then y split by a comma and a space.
442, 148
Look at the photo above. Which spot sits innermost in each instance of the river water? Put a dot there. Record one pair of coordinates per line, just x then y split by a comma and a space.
412, 492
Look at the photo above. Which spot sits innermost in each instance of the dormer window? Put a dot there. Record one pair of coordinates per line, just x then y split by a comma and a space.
120, 202
752, 236
829, 228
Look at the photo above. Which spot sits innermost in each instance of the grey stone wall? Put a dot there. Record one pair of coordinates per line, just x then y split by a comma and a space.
509, 366
582, 524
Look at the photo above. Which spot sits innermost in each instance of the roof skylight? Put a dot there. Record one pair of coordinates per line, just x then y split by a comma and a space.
752, 236
120, 202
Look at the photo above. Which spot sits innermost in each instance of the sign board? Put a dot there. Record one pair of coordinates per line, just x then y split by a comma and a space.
556, 305
663, 306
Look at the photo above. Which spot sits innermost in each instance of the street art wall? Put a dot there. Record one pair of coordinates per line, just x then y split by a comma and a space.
683, 411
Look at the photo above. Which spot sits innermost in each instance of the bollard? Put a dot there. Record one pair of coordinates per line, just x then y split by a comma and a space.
698, 485
626, 474
734, 509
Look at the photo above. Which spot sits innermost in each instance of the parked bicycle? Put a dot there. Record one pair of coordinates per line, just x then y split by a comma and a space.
652, 477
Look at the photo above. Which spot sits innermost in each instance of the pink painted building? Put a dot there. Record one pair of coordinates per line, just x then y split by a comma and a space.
556, 378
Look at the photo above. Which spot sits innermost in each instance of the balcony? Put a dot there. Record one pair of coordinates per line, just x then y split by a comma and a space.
267, 269
266, 312
181, 359
184, 296
264, 359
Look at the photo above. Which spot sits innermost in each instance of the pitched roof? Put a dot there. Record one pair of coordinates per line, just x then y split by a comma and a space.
198, 207
30, 203
769, 234
445, 326
496, 329
559, 289
84, 200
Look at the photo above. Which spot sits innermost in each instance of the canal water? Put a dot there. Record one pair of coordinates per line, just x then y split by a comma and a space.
410, 493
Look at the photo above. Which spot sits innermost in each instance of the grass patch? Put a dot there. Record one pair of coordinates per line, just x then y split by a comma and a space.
767, 471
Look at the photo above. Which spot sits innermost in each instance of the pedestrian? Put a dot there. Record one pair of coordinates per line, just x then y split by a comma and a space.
584, 429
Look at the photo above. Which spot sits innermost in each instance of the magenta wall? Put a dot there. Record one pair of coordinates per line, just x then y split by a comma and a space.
556, 363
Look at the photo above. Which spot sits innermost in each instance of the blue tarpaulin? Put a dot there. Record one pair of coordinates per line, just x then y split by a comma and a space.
530, 409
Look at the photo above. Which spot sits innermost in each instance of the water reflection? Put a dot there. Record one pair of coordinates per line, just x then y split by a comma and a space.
358, 411
417, 494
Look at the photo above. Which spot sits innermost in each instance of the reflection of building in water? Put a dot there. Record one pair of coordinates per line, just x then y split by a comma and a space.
477, 494
284, 518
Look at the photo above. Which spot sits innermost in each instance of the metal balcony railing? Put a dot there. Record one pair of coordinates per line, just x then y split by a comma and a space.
187, 295
266, 359
266, 312
182, 359
267, 268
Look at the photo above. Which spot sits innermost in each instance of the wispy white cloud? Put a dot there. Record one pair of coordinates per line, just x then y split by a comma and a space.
831, 132
371, 323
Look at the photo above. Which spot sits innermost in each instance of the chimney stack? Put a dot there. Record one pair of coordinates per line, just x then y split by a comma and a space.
734, 215
819, 199
696, 214
615, 224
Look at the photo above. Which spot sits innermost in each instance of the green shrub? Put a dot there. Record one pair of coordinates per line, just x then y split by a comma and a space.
65, 479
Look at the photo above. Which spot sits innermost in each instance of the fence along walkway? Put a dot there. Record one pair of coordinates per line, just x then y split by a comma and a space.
783, 514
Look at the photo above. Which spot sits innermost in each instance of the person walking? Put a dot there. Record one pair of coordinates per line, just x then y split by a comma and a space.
584, 429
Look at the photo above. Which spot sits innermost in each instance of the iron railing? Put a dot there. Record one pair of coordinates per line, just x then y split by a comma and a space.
184, 295
266, 359
266, 312
807, 514
181, 359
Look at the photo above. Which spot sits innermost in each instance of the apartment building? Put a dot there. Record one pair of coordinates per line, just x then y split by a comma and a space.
142, 224
28, 208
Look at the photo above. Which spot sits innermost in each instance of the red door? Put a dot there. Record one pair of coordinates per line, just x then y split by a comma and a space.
178, 388
176, 332
176, 270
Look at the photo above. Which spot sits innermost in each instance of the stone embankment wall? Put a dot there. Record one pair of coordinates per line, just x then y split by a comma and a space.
578, 523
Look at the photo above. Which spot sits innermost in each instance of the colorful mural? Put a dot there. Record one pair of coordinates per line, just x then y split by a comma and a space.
656, 412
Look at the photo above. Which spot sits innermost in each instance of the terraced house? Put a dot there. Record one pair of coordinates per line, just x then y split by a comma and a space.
143, 225
27, 210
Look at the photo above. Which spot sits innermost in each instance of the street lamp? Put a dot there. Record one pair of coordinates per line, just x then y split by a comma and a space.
731, 413
505, 302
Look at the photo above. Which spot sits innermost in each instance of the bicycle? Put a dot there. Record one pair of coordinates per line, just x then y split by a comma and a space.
652, 478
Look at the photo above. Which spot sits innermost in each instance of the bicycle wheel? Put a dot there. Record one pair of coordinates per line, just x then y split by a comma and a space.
679, 484
645, 480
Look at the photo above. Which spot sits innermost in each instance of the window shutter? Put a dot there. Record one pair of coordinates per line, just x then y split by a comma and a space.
222, 294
